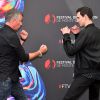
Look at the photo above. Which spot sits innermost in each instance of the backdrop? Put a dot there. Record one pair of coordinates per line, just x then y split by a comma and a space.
43, 20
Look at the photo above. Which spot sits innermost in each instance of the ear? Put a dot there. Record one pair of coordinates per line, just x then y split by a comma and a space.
13, 22
85, 16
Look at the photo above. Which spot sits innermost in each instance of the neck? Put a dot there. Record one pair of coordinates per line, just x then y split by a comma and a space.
88, 22
10, 25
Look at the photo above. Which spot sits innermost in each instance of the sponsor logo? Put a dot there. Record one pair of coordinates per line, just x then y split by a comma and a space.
52, 18
52, 64
62, 86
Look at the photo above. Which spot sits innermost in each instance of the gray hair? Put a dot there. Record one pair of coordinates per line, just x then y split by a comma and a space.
12, 14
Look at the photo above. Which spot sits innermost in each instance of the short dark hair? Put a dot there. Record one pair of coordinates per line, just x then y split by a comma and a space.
13, 13
85, 11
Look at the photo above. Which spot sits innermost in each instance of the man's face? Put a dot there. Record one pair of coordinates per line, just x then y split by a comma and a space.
17, 23
80, 19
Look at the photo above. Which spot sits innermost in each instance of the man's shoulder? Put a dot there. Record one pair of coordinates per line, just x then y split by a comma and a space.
8, 34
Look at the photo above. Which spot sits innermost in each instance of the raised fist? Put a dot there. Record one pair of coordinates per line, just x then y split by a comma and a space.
23, 35
43, 49
65, 30
75, 29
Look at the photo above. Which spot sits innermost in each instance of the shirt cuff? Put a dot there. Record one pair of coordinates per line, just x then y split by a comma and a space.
66, 37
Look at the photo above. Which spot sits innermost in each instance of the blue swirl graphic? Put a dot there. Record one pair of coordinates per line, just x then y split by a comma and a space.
32, 82
6, 5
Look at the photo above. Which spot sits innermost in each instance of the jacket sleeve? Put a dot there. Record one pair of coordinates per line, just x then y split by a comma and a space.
80, 43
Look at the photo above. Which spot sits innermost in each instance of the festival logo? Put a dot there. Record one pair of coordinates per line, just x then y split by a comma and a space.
52, 64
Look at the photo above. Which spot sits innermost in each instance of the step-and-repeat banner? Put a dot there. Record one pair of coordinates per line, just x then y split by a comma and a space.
49, 77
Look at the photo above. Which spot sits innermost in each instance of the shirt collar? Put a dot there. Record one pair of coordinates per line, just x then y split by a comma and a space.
89, 25
9, 27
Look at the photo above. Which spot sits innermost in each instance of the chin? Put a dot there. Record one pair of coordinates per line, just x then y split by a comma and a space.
17, 29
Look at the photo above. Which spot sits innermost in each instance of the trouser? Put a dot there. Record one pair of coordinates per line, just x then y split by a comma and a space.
94, 91
80, 85
15, 89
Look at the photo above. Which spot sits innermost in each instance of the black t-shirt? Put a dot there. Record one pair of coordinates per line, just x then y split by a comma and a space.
11, 52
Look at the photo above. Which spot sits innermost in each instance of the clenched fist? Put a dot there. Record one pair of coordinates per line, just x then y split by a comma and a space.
43, 49
23, 35
65, 30
75, 29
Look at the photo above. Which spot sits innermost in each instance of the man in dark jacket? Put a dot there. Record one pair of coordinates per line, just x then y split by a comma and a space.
11, 52
87, 54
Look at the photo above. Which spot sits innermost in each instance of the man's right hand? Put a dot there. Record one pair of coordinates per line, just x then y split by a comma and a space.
65, 30
75, 29
23, 35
